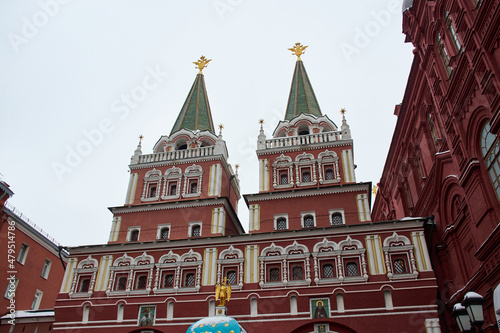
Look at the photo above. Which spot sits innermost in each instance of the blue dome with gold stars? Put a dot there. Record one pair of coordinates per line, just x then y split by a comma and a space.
218, 324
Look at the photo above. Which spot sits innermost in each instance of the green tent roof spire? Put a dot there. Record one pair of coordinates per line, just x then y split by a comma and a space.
302, 98
195, 113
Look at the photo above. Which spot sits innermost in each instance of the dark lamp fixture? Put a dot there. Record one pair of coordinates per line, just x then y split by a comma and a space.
460, 314
473, 303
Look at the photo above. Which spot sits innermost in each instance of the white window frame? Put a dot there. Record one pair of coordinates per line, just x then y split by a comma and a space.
129, 233
276, 217
303, 214
23, 253
160, 227
331, 211
37, 299
152, 178
46, 268
190, 230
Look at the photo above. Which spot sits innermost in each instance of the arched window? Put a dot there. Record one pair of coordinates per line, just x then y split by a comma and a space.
189, 280
152, 192
306, 176
337, 218
193, 187
328, 271
134, 235
168, 281
195, 231
297, 273
399, 266
231, 277
274, 274
351, 269
121, 284
283, 177
281, 223
119, 313
308, 221
490, 149
173, 189
445, 56
164, 233
84, 285
142, 281
329, 174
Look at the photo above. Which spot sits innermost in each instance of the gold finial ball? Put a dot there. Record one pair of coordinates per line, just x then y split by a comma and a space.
342, 111
221, 126
261, 121
237, 166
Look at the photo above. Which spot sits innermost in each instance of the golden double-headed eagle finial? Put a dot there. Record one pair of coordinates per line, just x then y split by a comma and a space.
298, 49
223, 292
202, 63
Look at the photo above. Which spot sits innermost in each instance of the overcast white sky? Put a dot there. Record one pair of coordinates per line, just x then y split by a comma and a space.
66, 65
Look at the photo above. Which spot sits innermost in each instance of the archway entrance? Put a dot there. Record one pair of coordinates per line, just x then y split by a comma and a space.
325, 326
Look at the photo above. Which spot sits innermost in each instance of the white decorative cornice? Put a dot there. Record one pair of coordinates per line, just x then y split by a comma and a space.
298, 193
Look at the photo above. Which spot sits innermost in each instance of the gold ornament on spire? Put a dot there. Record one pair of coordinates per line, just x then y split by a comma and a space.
298, 50
374, 190
223, 292
140, 138
220, 129
202, 63
342, 111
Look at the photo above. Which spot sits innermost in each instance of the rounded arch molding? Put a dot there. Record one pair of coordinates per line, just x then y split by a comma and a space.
333, 327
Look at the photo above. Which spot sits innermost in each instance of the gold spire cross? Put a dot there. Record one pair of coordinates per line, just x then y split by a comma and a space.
298, 50
202, 63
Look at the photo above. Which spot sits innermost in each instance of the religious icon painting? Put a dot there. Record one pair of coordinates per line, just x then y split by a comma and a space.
147, 315
320, 308
321, 328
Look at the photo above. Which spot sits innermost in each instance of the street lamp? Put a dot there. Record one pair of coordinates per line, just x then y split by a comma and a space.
469, 315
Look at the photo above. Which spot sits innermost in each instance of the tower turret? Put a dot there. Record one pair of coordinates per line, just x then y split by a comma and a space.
307, 157
185, 188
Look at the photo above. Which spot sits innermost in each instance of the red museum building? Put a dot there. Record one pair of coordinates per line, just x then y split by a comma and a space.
312, 261
444, 157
